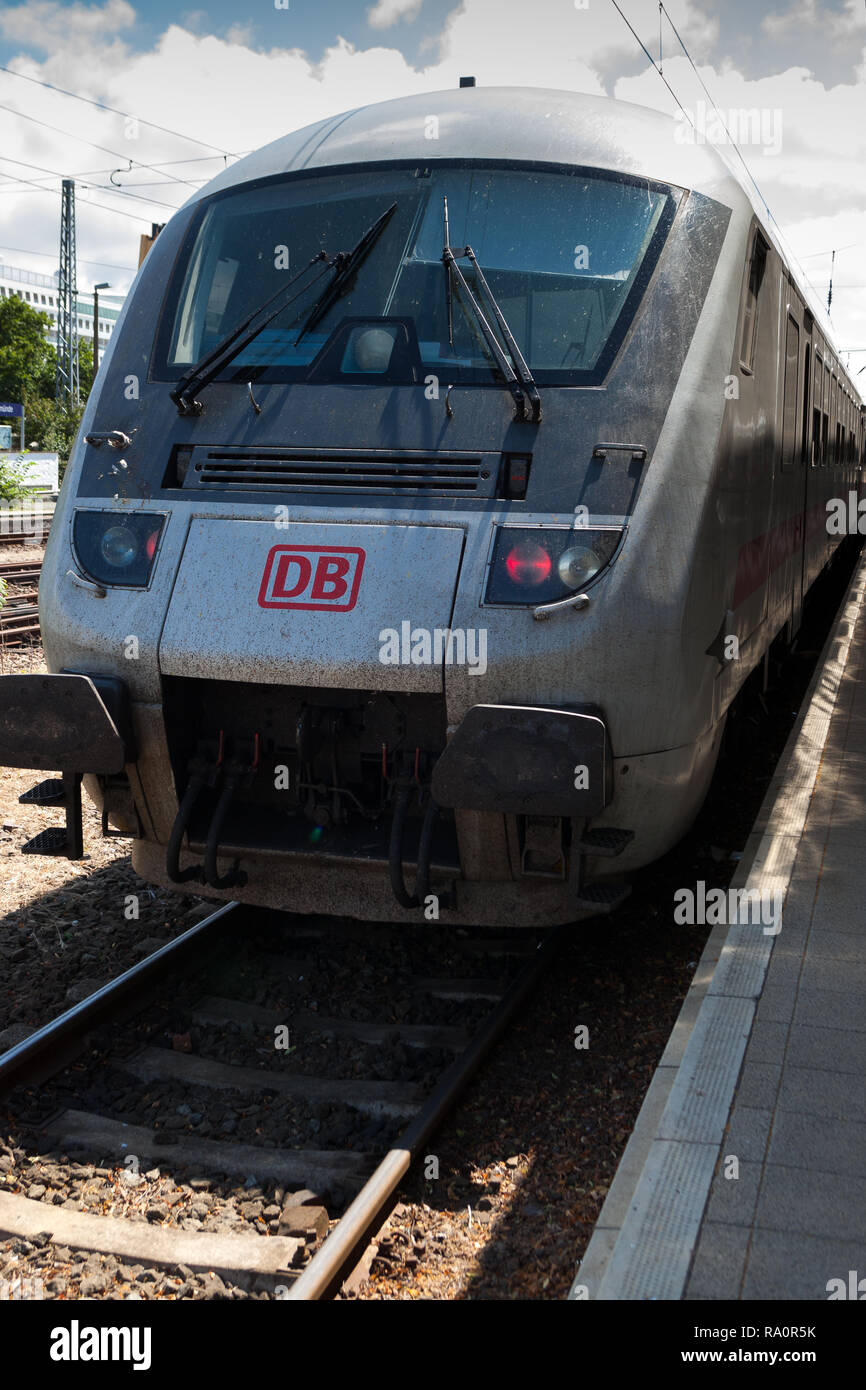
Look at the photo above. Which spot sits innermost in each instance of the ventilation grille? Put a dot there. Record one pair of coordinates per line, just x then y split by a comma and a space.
446, 475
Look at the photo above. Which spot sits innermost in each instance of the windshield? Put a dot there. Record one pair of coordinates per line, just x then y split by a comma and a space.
567, 255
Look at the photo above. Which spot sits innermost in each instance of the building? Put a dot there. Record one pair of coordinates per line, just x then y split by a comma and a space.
40, 291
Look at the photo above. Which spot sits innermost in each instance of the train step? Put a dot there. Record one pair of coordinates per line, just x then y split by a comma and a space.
602, 897
606, 841
51, 841
48, 793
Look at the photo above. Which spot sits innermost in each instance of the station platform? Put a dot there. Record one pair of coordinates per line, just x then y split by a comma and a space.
745, 1176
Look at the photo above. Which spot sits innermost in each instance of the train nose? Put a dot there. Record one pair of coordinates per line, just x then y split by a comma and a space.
305, 604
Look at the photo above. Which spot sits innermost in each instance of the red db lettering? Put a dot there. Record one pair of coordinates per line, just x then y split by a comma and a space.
324, 577
330, 579
305, 569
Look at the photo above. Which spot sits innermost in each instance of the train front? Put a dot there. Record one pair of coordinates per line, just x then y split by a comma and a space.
342, 600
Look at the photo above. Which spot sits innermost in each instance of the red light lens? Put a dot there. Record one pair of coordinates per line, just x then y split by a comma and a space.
528, 564
150, 544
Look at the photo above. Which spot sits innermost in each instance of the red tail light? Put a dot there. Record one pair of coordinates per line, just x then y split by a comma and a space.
528, 564
540, 564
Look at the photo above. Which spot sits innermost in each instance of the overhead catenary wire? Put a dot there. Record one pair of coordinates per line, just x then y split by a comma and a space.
103, 106
55, 173
731, 139
653, 63
163, 163
52, 256
135, 216
685, 112
82, 140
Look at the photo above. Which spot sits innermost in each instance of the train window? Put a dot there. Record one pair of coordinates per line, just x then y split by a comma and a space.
567, 256
789, 409
816, 412
757, 266
833, 456
807, 406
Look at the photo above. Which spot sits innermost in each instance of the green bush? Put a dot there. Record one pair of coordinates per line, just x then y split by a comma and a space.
53, 424
11, 482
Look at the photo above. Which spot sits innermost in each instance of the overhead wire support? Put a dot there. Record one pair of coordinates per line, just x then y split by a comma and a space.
652, 60
66, 378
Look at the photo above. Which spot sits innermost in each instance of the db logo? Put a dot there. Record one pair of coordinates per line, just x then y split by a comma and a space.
312, 576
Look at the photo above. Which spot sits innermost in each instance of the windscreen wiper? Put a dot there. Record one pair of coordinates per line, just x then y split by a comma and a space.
518, 377
346, 263
234, 342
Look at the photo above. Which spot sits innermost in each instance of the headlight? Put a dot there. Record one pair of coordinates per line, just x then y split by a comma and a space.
117, 548
545, 563
578, 564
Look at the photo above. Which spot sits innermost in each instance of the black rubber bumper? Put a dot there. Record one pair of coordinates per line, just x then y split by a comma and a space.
517, 759
65, 723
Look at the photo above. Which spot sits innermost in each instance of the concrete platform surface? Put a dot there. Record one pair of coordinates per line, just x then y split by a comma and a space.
745, 1176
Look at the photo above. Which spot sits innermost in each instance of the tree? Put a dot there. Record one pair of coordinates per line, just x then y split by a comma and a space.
52, 425
27, 360
85, 367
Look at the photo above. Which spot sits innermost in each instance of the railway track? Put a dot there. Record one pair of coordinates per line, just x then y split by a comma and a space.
19, 616
412, 1071
29, 536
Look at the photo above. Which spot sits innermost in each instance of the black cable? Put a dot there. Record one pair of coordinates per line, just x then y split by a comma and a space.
172, 854
395, 850
422, 881
211, 875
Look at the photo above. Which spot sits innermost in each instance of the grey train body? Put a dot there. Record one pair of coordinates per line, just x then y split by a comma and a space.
692, 452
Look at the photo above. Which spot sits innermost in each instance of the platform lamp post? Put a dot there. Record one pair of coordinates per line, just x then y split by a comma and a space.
103, 285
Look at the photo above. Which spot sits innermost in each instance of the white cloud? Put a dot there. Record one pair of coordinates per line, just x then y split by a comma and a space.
387, 12
809, 14
241, 34
52, 26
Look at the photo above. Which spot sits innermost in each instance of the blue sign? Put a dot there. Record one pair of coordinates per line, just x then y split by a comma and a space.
9, 408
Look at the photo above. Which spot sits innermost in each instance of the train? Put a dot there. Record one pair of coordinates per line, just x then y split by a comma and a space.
452, 464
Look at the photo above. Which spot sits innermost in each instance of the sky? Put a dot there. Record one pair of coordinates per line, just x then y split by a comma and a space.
228, 78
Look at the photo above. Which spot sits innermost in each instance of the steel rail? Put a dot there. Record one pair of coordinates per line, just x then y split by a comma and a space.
18, 1064
19, 569
33, 538
339, 1253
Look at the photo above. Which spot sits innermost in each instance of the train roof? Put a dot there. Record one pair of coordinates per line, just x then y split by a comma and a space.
516, 123
520, 123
